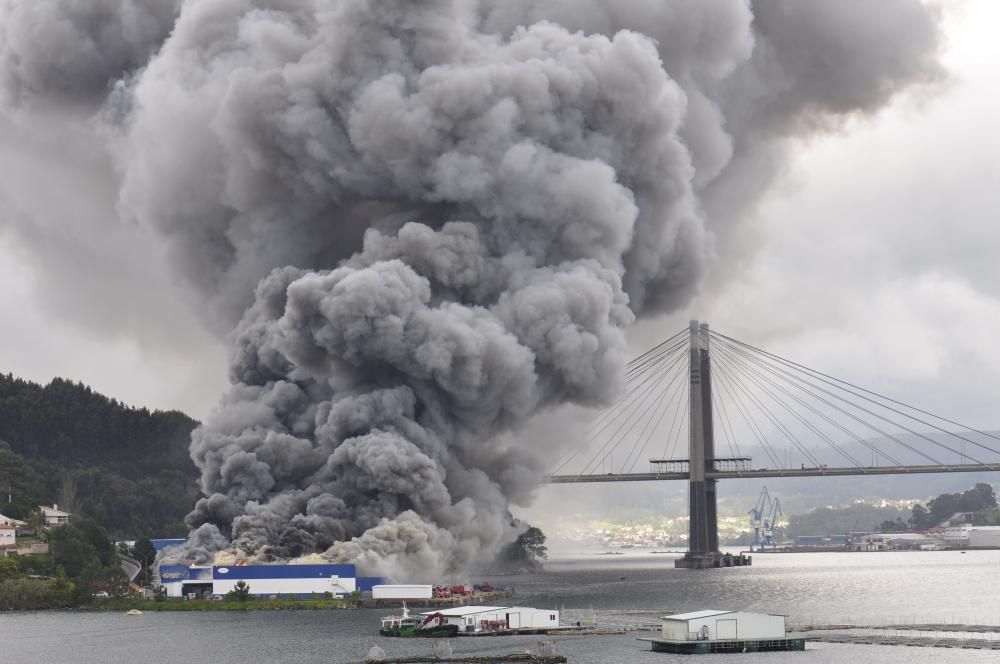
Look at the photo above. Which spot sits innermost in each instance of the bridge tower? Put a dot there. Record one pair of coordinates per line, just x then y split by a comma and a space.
703, 530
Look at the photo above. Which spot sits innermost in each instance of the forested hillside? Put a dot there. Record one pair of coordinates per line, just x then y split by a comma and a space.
127, 468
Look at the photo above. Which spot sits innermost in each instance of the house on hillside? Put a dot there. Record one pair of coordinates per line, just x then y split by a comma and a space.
53, 515
8, 537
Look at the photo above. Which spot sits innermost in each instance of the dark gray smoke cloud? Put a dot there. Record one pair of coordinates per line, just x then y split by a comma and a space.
479, 198
70, 52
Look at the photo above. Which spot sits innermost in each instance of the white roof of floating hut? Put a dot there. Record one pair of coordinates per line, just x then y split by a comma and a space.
694, 615
465, 610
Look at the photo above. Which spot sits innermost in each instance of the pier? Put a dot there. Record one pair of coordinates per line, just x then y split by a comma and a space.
437, 602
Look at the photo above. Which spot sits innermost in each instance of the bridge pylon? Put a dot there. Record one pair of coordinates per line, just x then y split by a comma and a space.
703, 528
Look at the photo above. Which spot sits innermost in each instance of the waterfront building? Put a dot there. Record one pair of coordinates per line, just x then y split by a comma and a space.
714, 631
957, 537
984, 537
497, 618
301, 581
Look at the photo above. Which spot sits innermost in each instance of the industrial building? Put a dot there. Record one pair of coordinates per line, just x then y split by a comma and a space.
182, 581
497, 618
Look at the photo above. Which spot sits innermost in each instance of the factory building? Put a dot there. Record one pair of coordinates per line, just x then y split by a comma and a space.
711, 625
496, 618
984, 536
302, 581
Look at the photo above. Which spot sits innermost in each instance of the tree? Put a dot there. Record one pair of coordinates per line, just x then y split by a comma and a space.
897, 526
920, 518
528, 547
8, 569
240, 592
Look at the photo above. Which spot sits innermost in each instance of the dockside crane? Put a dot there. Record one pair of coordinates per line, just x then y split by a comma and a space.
770, 523
762, 507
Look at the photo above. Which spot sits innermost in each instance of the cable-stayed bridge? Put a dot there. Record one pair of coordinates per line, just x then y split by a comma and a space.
699, 390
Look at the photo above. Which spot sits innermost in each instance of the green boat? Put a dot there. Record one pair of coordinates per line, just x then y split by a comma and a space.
433, 626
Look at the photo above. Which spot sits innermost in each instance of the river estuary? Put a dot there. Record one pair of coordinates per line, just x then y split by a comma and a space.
898, 588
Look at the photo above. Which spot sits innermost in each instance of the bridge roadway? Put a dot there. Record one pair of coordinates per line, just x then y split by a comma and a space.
822, 471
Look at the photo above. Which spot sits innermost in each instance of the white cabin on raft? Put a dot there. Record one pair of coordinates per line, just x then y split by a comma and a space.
715, 625
497, 618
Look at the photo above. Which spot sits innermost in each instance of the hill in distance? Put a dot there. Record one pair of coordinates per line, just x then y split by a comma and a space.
127, 468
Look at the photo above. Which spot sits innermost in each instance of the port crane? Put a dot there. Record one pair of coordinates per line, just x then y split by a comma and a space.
764, 516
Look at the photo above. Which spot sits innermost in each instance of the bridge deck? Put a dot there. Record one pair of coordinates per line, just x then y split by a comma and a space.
779, 472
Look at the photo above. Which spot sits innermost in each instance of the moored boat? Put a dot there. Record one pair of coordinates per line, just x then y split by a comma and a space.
405, 625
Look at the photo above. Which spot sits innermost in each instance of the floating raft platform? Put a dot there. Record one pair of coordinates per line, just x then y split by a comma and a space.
727, 646
911, 641
710, 560
480, 659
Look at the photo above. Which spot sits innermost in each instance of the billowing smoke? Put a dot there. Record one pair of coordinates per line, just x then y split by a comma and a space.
478, 198
66, 52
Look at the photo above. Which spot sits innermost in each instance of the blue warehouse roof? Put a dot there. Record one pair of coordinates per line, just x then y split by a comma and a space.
161, 544
282, 571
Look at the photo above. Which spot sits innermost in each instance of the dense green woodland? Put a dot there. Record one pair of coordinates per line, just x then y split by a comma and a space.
126, 468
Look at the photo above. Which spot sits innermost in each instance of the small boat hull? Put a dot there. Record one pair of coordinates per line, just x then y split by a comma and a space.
435, 632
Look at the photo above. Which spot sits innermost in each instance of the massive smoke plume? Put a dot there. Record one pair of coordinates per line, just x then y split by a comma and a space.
477, 198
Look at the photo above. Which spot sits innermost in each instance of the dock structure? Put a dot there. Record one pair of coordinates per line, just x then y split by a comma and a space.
436, 602
728, 646
478, 659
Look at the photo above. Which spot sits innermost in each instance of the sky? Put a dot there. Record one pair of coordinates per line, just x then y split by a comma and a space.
873, 261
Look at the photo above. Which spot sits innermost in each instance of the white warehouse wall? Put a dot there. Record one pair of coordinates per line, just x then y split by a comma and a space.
319, 586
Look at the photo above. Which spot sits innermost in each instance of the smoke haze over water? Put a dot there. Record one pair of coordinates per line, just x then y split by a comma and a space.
424, 223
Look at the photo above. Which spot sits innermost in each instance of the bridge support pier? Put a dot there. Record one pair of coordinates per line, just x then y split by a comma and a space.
703, 529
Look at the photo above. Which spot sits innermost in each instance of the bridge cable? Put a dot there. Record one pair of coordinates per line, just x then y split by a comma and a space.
897, 424
827, 379
668, 388
799, 382
721, 409
725, 432
622, 405
664, 407
676, 424
635, 405
774, 420
748, 418
651, 370
754, 376
792, 380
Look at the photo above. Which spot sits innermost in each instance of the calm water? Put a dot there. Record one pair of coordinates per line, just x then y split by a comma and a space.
874, 587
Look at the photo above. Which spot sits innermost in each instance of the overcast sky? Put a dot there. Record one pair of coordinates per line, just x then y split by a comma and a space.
874, 262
